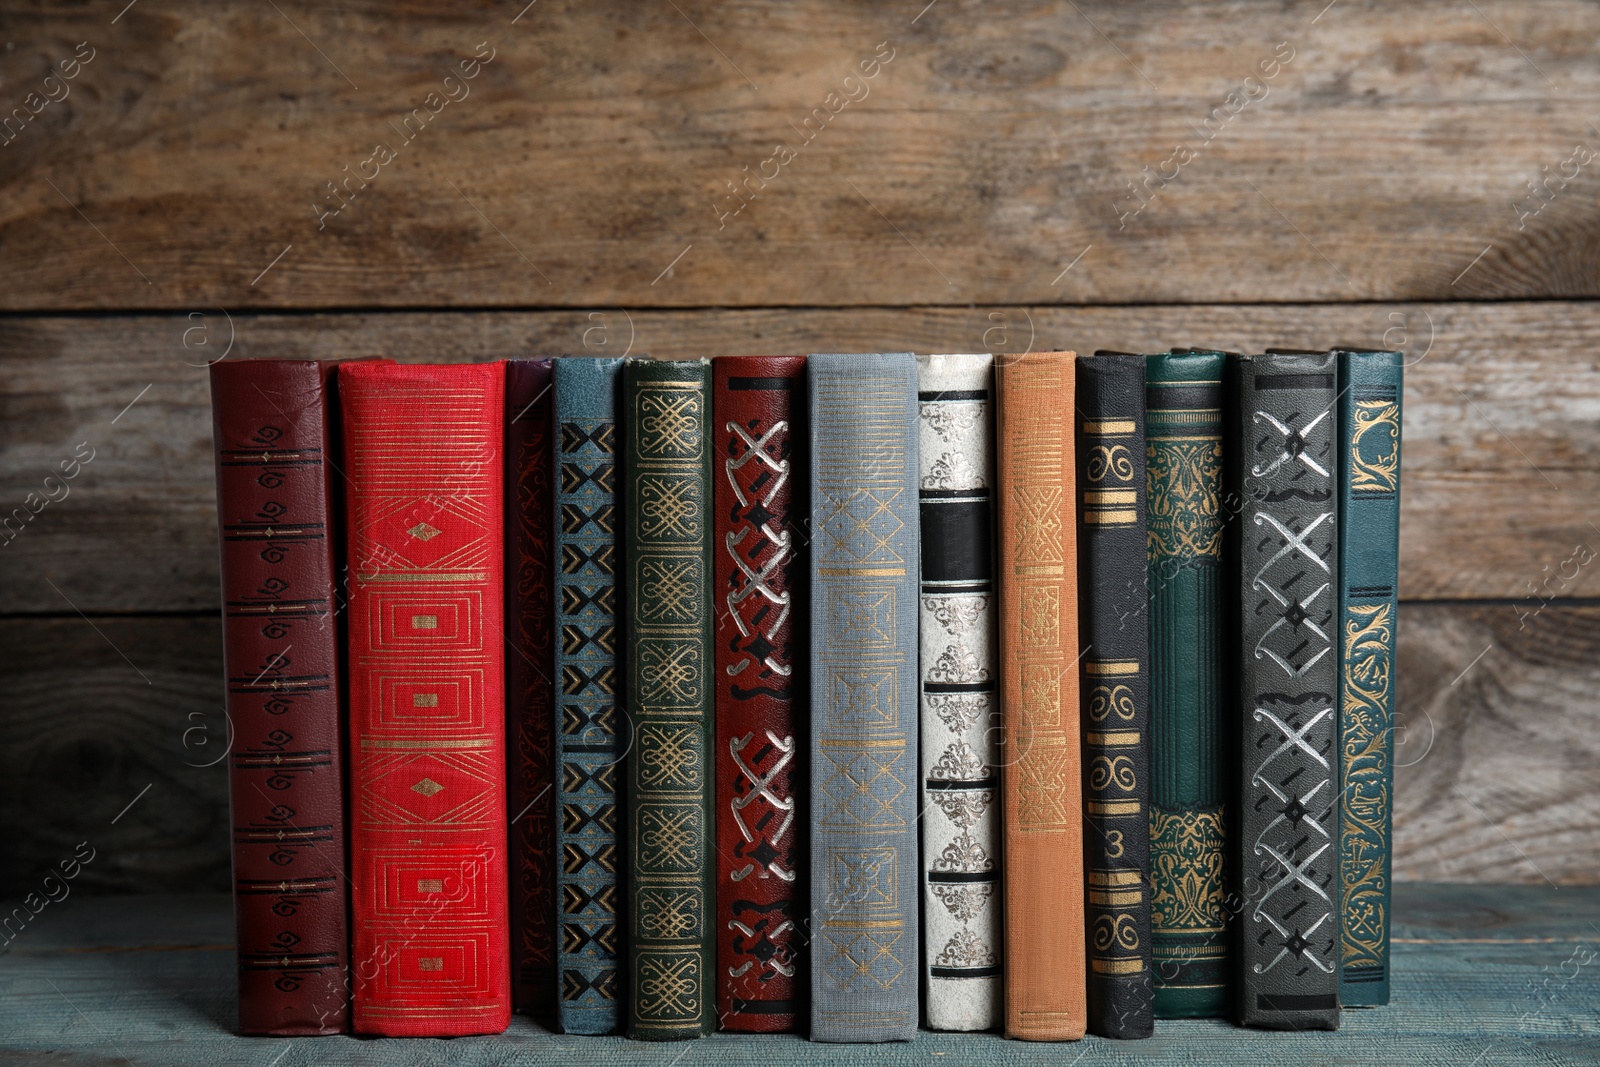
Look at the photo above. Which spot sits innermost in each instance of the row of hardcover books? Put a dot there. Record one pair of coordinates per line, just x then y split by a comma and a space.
837, 693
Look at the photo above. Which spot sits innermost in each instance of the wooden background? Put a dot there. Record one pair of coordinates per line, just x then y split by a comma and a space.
1373, 190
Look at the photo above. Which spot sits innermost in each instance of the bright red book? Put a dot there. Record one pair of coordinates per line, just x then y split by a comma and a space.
762, 692
430, 941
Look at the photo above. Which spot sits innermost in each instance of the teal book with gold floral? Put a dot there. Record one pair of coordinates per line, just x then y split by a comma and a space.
1189, 752
1370, 403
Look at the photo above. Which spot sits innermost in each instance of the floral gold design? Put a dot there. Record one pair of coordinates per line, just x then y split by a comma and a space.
1186, 869
1375, 447
1364, 737
1185, 512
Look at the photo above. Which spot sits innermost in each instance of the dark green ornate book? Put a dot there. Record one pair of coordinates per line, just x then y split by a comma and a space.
667, 471
1189, 752
1115, 691
1370, 387
590, 741
864, 561
1287, 707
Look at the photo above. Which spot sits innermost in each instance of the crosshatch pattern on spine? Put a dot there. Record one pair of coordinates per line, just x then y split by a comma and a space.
1289, 589
760, 470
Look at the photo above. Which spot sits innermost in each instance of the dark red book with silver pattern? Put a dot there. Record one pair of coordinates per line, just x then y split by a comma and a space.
762, 690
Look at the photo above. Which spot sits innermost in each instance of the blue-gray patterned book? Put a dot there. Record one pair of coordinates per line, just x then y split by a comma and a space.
589, 744
1370, 386
864, 573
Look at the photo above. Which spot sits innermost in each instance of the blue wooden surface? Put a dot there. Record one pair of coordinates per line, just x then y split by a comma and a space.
1483, 975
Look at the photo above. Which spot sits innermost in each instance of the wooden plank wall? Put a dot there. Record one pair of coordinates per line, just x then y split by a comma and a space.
1011, 175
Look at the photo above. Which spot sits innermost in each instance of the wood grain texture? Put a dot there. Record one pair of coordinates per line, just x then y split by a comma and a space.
96, 712
1502, 444
1498, 775
1382, 157
1502, 975
1498, 744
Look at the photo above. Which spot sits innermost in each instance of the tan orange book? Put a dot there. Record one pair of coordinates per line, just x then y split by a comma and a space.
1045, 967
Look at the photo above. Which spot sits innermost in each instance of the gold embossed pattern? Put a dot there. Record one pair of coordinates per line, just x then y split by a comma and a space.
1046, 963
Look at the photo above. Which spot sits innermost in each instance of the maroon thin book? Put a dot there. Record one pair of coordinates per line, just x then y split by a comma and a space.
530, 686
761, 692
274, 427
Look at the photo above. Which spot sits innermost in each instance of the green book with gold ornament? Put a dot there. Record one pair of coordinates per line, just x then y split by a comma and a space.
667, 522
1188, 721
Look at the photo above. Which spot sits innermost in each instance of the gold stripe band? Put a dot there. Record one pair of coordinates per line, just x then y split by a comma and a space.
1117, 898
1115, 667
1113, 738
1110, 426
423, 576
862, 572
1113, 807
1113, 877
379, 743
1117, 966
861, 742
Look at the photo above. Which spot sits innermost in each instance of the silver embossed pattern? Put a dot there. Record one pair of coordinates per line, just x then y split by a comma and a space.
959, 708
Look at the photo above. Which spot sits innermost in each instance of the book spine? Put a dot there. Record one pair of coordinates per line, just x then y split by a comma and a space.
428, 830
1114, 683
959, 706
669, 791
1045, 962
530, 691
273, 428
1370, 404
1288, 696
758, 431
1189, 830
864, 559
590, 744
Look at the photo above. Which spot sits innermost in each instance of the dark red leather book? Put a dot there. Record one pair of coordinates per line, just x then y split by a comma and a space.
273, 424
428, 831
530, 689
761, 687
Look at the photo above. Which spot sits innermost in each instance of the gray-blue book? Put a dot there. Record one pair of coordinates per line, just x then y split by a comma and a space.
589, 742
864, 572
